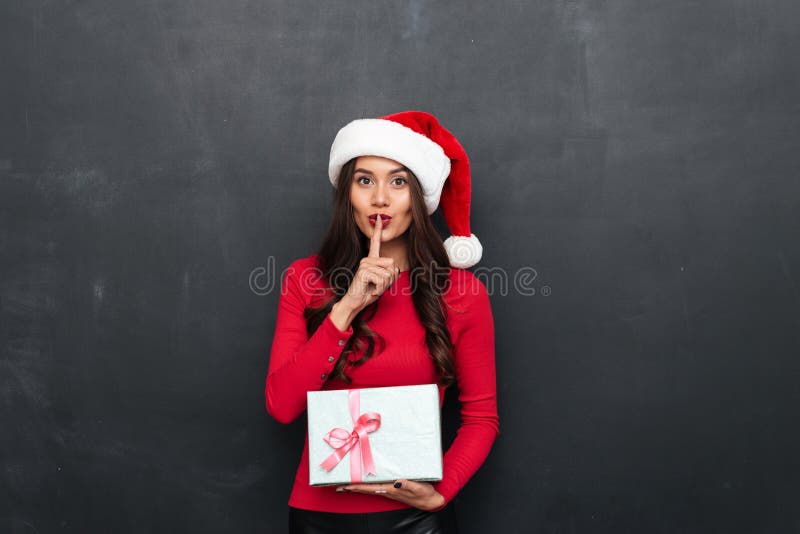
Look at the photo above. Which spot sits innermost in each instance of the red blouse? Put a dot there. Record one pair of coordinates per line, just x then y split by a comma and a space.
299, 364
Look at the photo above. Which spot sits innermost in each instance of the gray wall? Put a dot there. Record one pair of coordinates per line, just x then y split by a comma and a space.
641, 156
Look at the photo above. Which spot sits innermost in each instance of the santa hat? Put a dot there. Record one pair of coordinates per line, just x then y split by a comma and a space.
434, 155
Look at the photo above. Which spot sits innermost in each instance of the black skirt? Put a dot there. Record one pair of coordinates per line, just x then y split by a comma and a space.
406, 521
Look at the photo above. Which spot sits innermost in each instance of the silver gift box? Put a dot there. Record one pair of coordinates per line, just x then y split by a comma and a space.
407, 444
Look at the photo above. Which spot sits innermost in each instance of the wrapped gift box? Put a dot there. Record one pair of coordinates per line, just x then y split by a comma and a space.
397, 428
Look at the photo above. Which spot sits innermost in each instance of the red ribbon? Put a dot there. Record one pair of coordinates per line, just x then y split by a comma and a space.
356, 442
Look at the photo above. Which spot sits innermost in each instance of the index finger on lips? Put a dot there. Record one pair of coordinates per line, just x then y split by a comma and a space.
375, 241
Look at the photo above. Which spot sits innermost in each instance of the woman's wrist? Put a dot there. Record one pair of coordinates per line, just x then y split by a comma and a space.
435, 502
342, 315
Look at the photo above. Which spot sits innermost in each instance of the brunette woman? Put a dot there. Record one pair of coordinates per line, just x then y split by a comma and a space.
386, 302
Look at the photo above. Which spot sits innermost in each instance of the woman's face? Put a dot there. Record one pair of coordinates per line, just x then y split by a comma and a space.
381, 186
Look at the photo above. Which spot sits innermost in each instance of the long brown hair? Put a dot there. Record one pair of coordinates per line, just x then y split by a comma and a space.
340, 253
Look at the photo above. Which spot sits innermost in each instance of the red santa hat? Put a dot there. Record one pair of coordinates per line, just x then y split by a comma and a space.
433, 154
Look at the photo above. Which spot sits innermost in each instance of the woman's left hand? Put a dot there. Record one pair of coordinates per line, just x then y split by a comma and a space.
417, 494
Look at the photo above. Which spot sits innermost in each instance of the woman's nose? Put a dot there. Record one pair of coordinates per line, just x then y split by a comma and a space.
379, 196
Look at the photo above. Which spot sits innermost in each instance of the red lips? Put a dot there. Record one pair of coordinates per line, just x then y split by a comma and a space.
385, 219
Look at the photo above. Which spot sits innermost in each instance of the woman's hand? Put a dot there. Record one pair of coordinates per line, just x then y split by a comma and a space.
417, 494
373, 277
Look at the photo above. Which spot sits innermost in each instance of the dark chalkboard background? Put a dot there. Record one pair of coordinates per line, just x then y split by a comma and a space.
641, 156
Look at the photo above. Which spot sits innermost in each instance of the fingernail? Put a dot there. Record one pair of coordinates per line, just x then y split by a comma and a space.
340, 490
398, 484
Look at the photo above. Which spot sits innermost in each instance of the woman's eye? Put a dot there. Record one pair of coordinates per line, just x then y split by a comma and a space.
400, 180
360, 178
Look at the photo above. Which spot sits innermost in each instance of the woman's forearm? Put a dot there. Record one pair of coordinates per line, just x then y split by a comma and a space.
342, 315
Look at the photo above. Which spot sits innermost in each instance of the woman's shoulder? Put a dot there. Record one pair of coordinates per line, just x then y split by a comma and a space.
304, 273
464, 289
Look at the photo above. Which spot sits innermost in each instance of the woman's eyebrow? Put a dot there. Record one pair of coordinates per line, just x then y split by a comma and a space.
393, 171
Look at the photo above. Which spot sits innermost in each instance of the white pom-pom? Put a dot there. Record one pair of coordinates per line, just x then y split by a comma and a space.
463, 251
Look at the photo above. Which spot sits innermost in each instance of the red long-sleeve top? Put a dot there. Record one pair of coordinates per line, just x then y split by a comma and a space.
299, 363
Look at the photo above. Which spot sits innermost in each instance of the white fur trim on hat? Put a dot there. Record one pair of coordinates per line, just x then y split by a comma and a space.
389, 139
463, 251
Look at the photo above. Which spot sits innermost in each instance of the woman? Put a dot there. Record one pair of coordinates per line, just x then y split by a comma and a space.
386, 303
